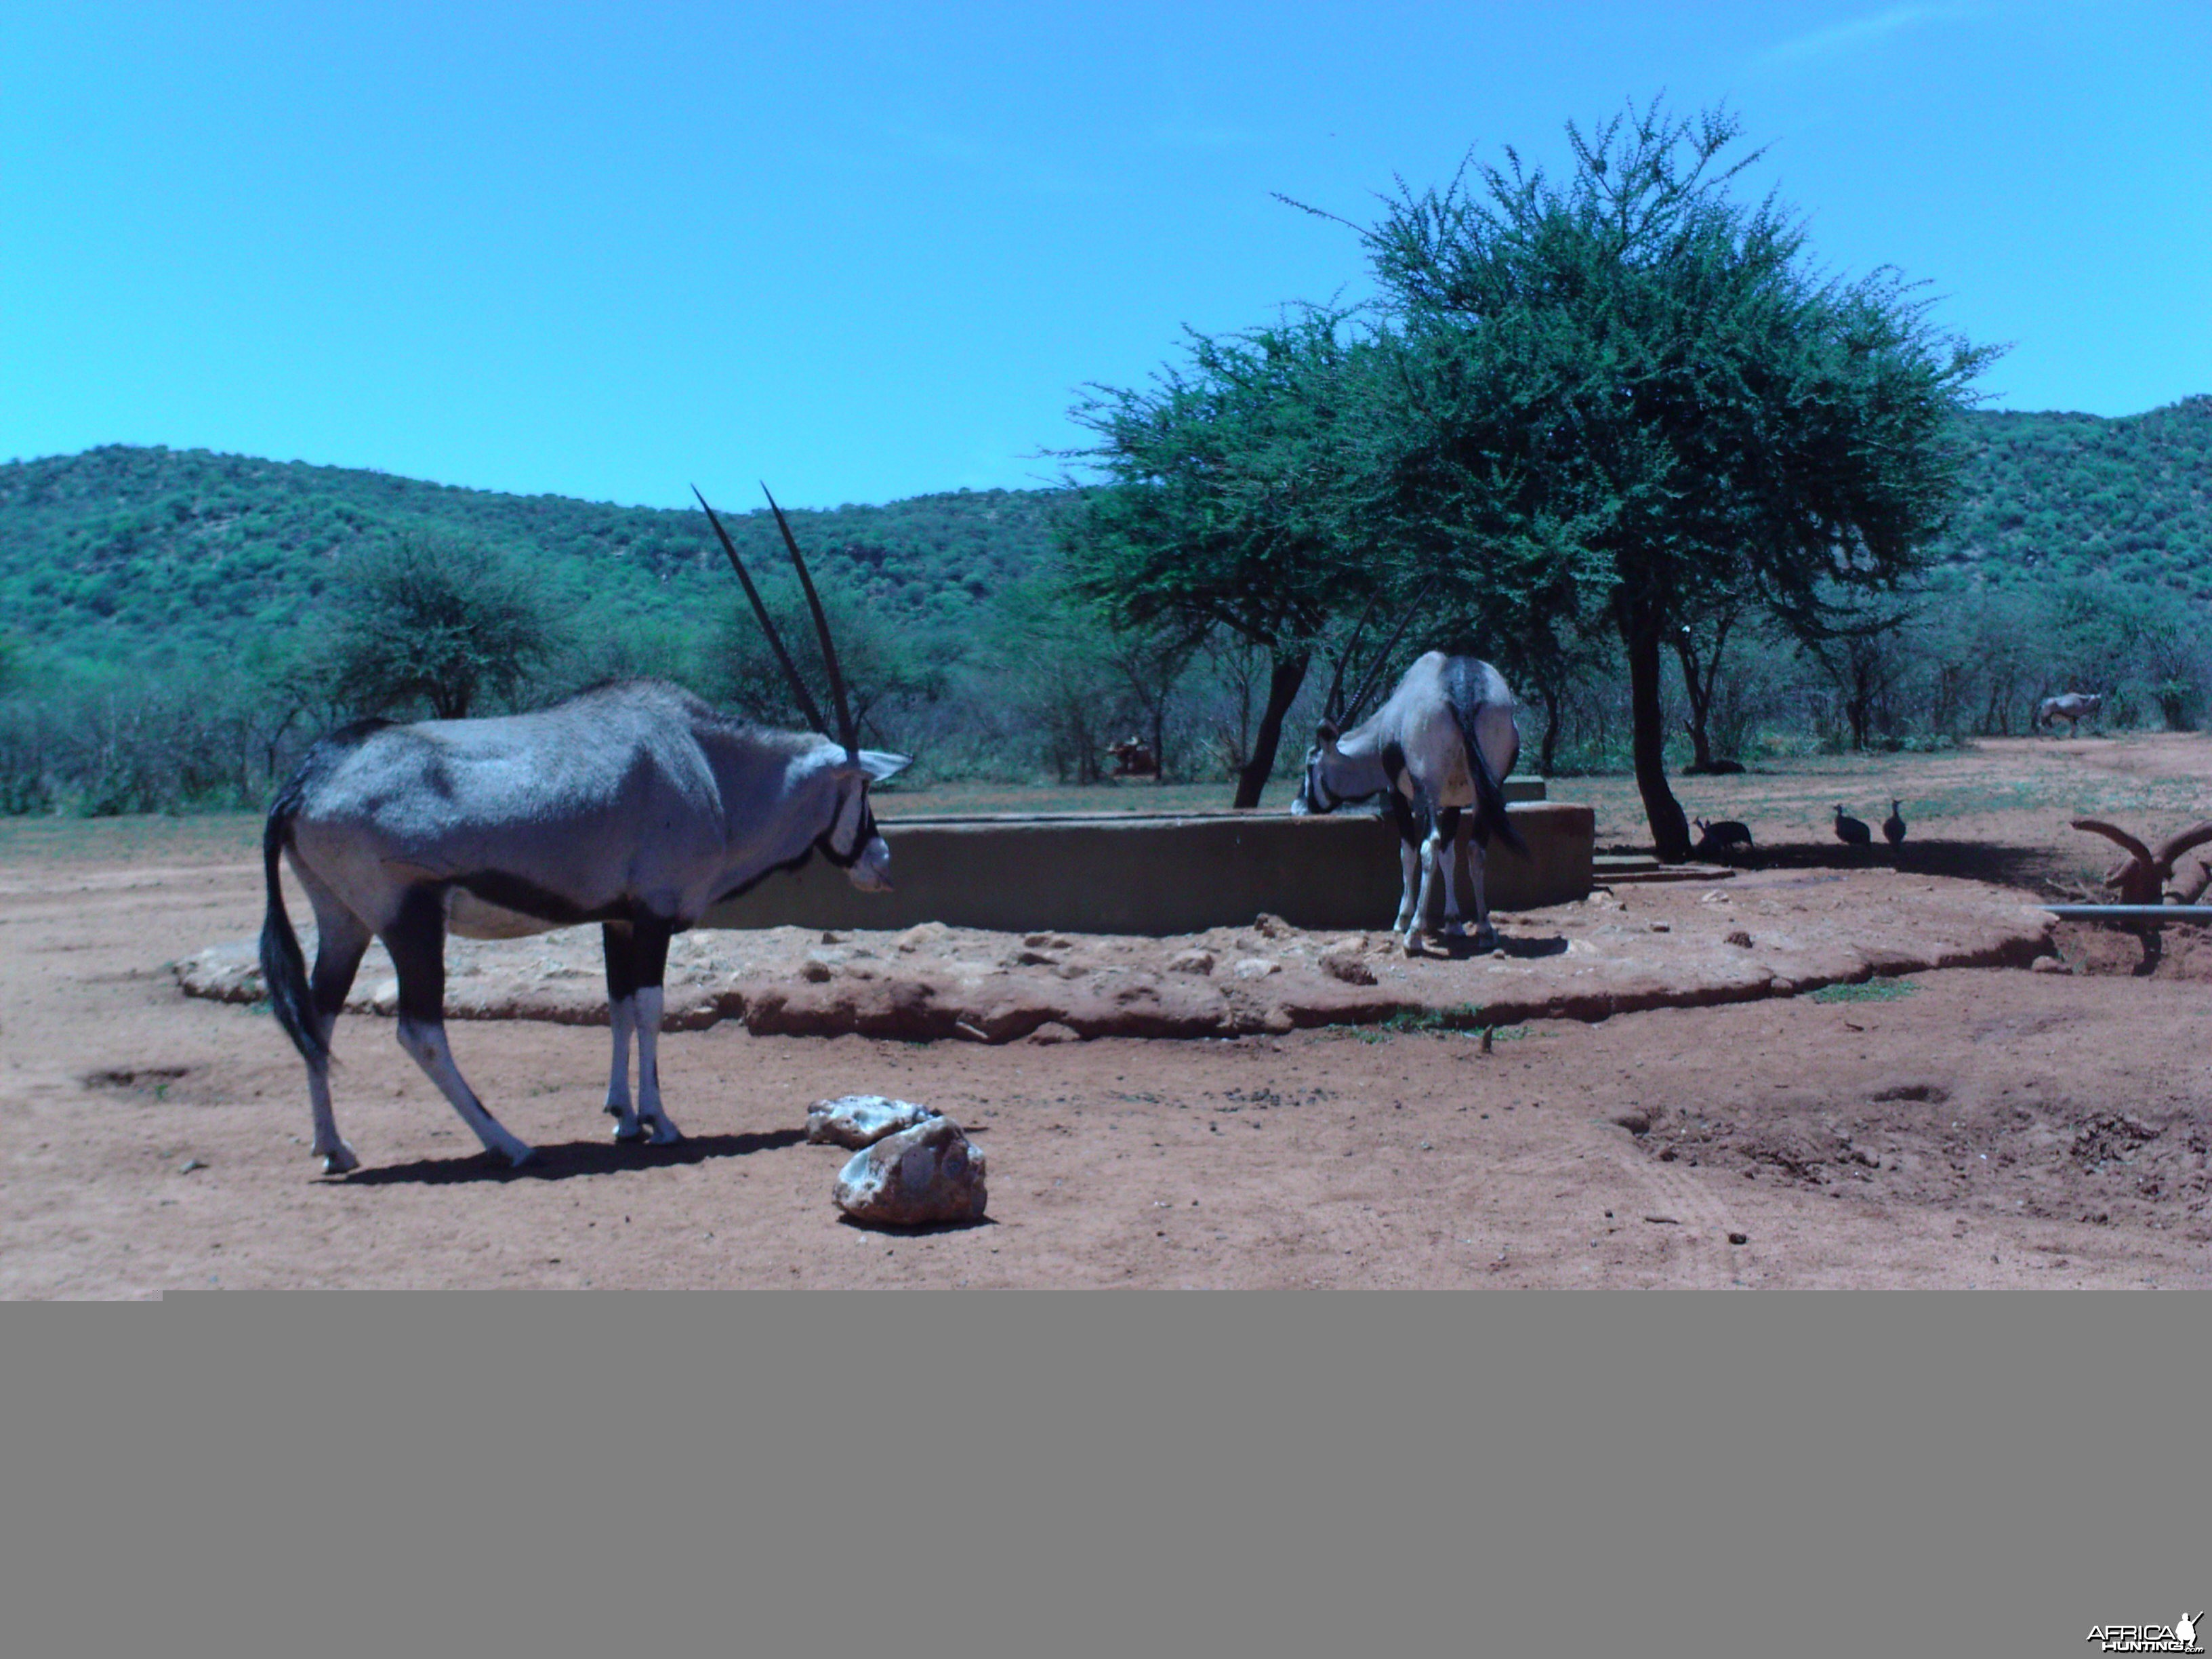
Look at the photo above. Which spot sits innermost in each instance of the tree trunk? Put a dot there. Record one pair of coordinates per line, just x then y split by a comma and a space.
1699, 680
1548, 752
1641, 632
1290, 673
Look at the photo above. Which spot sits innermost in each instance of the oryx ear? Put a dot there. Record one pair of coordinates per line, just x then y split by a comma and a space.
879, 765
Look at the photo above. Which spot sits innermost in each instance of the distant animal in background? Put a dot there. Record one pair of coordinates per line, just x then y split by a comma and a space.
1893, 827
1132, 759
1853, 832
1715, 839
2070, 707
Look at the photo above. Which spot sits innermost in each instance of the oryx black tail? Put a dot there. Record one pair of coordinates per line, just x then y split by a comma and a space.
1466, 693
283, 967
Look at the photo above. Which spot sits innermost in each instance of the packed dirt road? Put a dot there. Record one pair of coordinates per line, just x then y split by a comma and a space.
1982, 1127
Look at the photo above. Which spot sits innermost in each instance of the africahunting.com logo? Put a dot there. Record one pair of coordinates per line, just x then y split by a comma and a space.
2180, 1636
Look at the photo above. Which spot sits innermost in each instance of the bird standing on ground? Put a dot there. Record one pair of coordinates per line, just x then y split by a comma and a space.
1893, 827
1851, 831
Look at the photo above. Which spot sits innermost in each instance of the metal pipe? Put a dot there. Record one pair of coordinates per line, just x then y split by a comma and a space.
2133, 912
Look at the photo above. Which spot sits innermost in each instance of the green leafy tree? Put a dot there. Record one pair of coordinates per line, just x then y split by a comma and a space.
1239, 498
432, 620
1628, 396
885, 666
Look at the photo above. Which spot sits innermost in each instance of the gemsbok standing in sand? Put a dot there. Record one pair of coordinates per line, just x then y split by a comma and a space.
635, 805
1442, 744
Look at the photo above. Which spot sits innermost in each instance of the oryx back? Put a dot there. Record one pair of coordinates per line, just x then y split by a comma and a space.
552, 818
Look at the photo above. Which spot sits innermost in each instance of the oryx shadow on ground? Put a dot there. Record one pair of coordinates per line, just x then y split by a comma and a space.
917, 1230
561, 1160
1463, 949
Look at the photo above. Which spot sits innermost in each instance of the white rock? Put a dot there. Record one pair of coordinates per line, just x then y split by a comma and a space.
931, 1172
862, 1119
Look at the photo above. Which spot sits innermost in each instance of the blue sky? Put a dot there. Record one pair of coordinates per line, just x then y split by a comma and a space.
868, 252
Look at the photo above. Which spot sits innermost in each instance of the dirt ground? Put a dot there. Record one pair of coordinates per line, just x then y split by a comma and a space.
1956, 1126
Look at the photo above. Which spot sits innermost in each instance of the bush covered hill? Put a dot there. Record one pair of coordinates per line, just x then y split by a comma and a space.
2052, 496
152, 557
158, 558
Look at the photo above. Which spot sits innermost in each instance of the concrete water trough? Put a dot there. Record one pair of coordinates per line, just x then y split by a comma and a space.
1128, 872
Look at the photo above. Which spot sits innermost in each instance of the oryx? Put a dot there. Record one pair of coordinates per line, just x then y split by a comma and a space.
1441, 742
2072, 706
635, 805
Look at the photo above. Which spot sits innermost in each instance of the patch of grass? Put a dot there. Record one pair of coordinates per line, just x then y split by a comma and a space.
1873, 990
1465, 1018
1461, 1017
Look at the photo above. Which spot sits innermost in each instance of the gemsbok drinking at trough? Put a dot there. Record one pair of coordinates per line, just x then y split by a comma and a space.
635, 805
1441, 743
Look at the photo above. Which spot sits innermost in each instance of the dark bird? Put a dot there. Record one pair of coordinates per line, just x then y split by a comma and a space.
1893, 827
1851, 831
1719, 838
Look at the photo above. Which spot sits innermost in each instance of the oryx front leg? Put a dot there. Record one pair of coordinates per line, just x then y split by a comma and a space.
417, 941
649, 964
1431, 856
1450, 835
657, 1128
621, 948
1409, 863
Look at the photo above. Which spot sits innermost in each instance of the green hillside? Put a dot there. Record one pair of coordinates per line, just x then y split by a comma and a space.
156, 557
2066, 496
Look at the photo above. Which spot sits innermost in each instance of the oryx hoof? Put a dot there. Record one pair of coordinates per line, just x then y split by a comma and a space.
1412, 943
662, 1133
339, 1159
520, 1156
627, 1128
1453, 928
1485, 939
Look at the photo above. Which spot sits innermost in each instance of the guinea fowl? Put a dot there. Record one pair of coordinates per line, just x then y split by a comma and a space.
1893, 827
1851, 831
1717, 838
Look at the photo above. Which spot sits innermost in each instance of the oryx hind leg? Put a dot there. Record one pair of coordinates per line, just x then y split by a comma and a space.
1485, 936
417, 939
341, 938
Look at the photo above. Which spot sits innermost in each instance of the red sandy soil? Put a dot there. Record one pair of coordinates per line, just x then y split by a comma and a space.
1990, 1126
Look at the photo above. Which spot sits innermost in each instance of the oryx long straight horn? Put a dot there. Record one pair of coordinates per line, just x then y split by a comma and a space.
1382, 657
776, 641
1328, 704
848, 733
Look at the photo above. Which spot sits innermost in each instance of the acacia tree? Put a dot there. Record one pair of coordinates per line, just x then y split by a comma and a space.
1240, 497
436, 621
1629, 396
